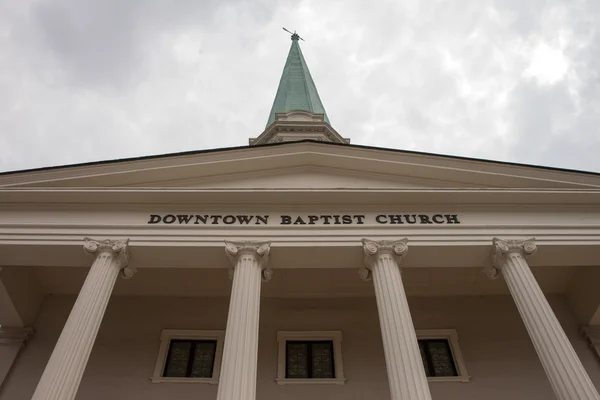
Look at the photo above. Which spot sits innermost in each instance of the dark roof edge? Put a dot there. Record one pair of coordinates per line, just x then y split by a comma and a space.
207, 151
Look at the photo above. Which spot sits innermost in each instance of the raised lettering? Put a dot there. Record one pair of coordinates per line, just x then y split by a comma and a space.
359, 219
336, 219
425, 219
452, 218
201, 218
244, 219
299, 221
395, 219
215, 219
229, 219
154, 219
261, 219
408, 216
312, 219
381, 219
286, 220
184, 219
346, 219
438, 219
326, 219
169, 219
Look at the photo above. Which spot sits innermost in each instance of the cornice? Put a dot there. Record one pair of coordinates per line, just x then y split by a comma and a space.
302, 153
345, 197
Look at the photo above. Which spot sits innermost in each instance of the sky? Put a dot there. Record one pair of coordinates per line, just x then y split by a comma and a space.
507, 80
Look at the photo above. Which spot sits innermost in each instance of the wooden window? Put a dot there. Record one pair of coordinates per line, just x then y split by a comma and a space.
187, 356
437, 357
190, 359
441, 355
309, 359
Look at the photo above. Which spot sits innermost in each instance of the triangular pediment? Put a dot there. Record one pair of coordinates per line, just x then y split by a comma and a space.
308, 177
302, 165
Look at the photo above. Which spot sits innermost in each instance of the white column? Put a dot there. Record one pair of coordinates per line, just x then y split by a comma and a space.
240, 352
568, 378
67, 363
12, 340
406, 374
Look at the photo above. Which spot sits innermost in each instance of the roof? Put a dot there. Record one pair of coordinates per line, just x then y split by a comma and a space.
297, 90
236, 148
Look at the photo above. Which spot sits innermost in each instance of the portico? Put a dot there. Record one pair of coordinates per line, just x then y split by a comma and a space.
406, 376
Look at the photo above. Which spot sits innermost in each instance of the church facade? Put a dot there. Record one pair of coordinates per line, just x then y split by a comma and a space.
299, 266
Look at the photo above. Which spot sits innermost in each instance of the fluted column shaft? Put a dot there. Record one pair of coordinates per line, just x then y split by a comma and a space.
67, 363
568, 378
240, 352
406, 374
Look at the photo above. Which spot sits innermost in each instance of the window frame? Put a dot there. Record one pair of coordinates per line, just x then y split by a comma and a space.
310, 336
167, 335
451, 336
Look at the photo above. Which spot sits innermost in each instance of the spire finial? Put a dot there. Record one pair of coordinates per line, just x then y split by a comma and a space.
295, 36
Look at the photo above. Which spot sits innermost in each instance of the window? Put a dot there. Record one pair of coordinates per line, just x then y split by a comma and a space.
190, 359
310, 358
441, 356
189, 356
437, 358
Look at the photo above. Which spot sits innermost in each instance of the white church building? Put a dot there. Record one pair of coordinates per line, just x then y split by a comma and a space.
299, 267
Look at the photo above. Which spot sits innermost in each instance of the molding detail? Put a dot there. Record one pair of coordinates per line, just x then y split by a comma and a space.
259, 251
592, 334
374, 249
118, 249
15, 336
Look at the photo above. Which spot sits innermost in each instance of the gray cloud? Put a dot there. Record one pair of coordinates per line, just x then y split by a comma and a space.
504, 80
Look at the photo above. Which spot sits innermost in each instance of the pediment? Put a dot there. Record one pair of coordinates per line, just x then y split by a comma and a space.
302, 165
309, 177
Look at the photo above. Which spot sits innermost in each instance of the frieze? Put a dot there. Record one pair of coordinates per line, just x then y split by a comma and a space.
303, 219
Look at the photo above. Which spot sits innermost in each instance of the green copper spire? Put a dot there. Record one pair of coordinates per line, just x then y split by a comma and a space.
297, 91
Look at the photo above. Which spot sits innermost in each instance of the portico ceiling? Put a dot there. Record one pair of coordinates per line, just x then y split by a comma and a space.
309, 282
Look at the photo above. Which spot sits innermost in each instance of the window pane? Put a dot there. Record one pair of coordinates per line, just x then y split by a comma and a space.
204, 358
296, 360
178, 358
424, 358
441, 358
322, 360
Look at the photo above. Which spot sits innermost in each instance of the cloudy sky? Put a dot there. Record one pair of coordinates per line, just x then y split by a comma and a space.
510, 80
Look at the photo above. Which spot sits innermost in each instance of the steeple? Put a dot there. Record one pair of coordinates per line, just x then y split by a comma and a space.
297, 112
297, 90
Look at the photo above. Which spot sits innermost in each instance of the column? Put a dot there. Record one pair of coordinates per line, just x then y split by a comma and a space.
240, 352
568, 378
64, 370
12, 340
406, 374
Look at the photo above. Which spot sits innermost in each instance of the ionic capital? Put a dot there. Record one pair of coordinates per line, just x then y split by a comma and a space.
375, 249
504, 248
117, 249
257, 251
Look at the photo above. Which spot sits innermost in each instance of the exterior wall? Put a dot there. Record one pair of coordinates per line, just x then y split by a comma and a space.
496, 348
